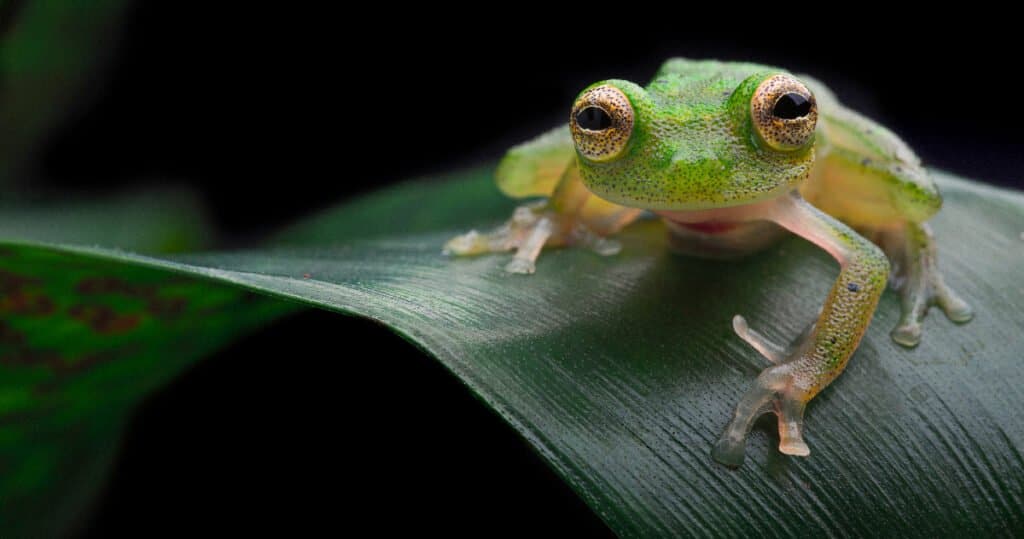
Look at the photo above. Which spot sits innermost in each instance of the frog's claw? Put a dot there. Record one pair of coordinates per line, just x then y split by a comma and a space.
916, 277
530, 229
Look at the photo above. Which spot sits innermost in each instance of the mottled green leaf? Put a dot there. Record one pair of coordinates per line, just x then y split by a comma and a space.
82, 341
622, 371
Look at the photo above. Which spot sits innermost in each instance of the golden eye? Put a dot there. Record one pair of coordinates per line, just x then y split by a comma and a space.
601, 123
784, 112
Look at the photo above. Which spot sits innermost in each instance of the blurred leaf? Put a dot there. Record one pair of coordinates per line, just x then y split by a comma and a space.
622, 371
82, 341
159, 220
50, 53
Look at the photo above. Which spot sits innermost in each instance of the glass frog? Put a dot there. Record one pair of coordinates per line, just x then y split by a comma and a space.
732, 156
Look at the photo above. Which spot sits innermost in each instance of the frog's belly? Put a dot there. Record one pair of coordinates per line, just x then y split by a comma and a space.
722, 240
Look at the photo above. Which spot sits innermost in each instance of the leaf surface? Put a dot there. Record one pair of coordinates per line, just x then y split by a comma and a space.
622, 371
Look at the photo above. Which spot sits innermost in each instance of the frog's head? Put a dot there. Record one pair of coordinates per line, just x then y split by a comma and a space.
694, 142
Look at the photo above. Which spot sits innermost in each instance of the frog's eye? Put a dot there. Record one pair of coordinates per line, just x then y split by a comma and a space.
601, 123
784, 113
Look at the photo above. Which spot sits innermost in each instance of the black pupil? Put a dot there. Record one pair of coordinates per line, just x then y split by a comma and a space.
791, 106
593, 119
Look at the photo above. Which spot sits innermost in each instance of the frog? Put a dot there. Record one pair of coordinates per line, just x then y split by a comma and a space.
732, 157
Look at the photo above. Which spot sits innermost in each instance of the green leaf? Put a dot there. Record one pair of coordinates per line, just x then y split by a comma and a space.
622, 371
83, 340
144, 220
49, 52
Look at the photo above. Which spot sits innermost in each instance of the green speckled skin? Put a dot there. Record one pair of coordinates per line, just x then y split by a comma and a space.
693, 144
707, 146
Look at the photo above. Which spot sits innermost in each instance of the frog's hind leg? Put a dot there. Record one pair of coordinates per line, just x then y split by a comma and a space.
911, 250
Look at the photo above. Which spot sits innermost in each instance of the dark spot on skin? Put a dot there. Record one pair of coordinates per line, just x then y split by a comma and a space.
103, 319
9, 335
15, 299
26, 303
98, 285
24, 357
865, 162
166, 307
156, 306
113, 285
10, 282
853, 287
87, 362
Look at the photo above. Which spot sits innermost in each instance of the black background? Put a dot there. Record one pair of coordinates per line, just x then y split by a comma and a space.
273, 114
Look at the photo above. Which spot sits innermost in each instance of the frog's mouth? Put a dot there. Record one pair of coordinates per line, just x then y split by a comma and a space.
711, 226
720, 237
707, 227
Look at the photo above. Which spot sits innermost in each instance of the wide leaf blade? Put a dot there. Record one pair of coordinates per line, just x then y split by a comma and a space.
622, 371
82, 341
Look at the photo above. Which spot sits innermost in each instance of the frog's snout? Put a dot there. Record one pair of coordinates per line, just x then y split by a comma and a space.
685, 161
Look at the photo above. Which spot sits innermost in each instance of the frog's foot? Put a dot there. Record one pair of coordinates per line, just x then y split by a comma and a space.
916, 277
530, 229
774, 391
770, 393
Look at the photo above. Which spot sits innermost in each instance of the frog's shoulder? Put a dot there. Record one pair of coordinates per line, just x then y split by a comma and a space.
842, 127
706, 69
867, 155
534, 167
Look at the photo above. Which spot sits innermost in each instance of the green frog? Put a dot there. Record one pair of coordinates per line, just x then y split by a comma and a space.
733, 156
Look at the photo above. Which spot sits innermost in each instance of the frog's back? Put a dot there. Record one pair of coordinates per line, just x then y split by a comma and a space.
698, 70
863, 173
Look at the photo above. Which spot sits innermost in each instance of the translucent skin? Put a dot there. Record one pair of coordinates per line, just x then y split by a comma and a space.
697, 147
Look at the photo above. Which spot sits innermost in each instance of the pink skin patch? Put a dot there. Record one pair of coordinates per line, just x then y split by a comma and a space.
789, 212
709, 227
714, 221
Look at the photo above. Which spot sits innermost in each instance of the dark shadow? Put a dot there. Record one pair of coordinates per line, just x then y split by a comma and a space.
293, 430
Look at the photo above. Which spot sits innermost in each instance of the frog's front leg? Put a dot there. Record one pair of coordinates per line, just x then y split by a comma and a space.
810, 365
911, 248
571, 216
